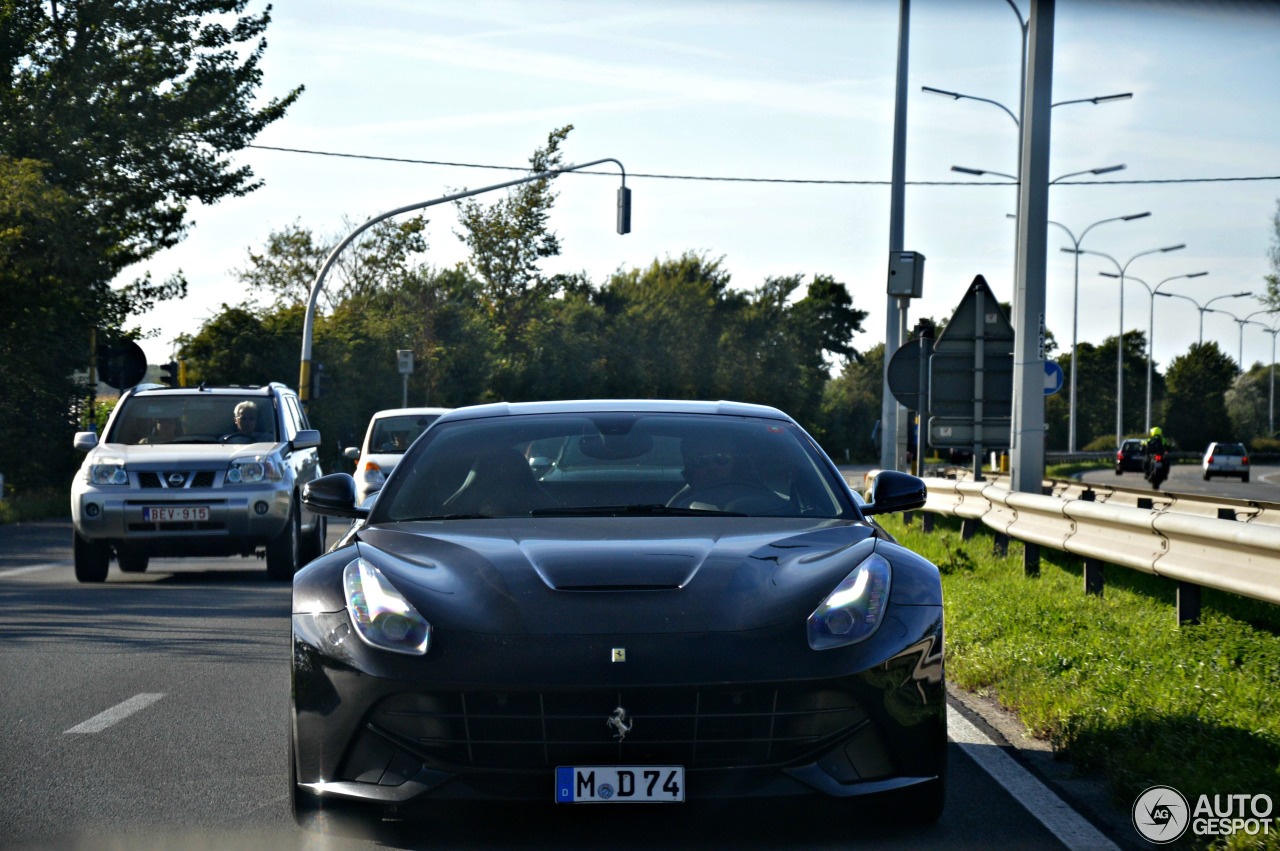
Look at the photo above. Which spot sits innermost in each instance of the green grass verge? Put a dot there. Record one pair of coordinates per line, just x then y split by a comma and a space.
1117, 687
35, 505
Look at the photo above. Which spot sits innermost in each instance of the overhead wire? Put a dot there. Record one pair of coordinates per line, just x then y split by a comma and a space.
787, 180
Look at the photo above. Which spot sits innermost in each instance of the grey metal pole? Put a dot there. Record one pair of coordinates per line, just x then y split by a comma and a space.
891, 454
1027, 451
1120, 367
1271, 396
1075, 355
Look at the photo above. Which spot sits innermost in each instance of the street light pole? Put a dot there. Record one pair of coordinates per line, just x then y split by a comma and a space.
1120, 339
979, 172
1271, 403
1248, 320
1151, 325
1204, 308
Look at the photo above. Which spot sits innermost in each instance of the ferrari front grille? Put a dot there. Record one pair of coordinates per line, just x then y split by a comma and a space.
707, 727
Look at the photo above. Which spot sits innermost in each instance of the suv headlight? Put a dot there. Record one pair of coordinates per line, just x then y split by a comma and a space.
383, 618
853, 611
249, 471
108, 471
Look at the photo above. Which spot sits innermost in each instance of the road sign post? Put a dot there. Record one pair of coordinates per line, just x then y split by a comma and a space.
971, 377
404, 362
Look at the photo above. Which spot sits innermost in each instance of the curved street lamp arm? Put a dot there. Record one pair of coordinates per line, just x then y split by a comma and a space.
959, 96
1097, 100
308, 324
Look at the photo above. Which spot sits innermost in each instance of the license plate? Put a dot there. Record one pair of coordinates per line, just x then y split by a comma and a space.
619, 784
175, 514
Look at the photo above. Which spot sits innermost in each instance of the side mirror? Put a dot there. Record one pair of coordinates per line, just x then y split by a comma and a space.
307, 438
892, 492
85, 440
333, 495
352, 452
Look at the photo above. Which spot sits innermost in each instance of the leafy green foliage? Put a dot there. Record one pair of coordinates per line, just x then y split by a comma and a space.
1248, 404
1195, 410
115, 116
1096, 391
135, 106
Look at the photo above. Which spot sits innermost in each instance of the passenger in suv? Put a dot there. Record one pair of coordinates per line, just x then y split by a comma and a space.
173, 477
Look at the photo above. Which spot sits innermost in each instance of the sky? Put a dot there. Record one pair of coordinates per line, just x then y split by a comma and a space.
789, 106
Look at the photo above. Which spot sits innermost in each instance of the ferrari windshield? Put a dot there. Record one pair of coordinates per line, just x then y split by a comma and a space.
612, 464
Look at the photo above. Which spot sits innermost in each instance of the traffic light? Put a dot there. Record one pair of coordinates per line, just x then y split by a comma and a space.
317, 381
169, 374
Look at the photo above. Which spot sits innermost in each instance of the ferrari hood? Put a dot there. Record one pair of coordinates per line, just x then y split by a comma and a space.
592, 575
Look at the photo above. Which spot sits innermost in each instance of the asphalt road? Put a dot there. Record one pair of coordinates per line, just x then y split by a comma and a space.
1263, 484
151, 712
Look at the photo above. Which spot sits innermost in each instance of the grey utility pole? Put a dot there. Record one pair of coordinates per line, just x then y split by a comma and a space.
892, 443
1027, 450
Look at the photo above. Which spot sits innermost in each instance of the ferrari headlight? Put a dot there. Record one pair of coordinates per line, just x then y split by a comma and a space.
250, 471
108, 471
853, 611
383, 618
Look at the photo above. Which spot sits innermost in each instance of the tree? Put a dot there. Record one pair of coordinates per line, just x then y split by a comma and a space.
115, 115
1248, 403
851, 406
1272, 298
507, 240
378, 260
135, 105
1195, 407
39, 253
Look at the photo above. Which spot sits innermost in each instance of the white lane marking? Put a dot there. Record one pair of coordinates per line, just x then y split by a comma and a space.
17, 571
117, 713
1071, 828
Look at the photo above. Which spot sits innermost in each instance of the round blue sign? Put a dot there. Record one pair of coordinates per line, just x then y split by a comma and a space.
1052, 377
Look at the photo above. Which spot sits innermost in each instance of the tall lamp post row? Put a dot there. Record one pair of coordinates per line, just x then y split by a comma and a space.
1151, 325
1122, 268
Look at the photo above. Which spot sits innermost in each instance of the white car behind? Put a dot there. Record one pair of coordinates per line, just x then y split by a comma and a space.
1226, 459
390, 433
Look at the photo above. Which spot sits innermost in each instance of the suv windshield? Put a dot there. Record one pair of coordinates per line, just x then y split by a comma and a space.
191, 418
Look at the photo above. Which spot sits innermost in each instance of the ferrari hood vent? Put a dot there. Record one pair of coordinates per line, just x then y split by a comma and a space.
614, 568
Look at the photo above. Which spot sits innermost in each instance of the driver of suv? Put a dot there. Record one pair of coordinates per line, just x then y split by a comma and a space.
246, 418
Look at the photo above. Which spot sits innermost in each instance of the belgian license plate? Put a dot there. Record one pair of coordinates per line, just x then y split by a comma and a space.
175, 514
619, 784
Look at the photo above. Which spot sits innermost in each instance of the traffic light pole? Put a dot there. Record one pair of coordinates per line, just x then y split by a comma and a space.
308, 324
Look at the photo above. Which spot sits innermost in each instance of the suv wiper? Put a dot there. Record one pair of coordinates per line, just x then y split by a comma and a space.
637, 510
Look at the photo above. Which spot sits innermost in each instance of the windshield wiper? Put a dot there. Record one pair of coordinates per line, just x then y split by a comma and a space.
637, 510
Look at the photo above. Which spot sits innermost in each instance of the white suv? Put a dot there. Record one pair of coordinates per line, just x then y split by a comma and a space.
189, 471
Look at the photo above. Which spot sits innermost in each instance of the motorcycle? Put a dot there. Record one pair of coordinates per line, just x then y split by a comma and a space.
1157, 471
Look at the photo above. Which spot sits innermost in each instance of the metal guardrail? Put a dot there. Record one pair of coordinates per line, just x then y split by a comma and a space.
1186, 539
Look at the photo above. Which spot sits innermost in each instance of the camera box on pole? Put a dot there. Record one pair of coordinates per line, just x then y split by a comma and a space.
906, 273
